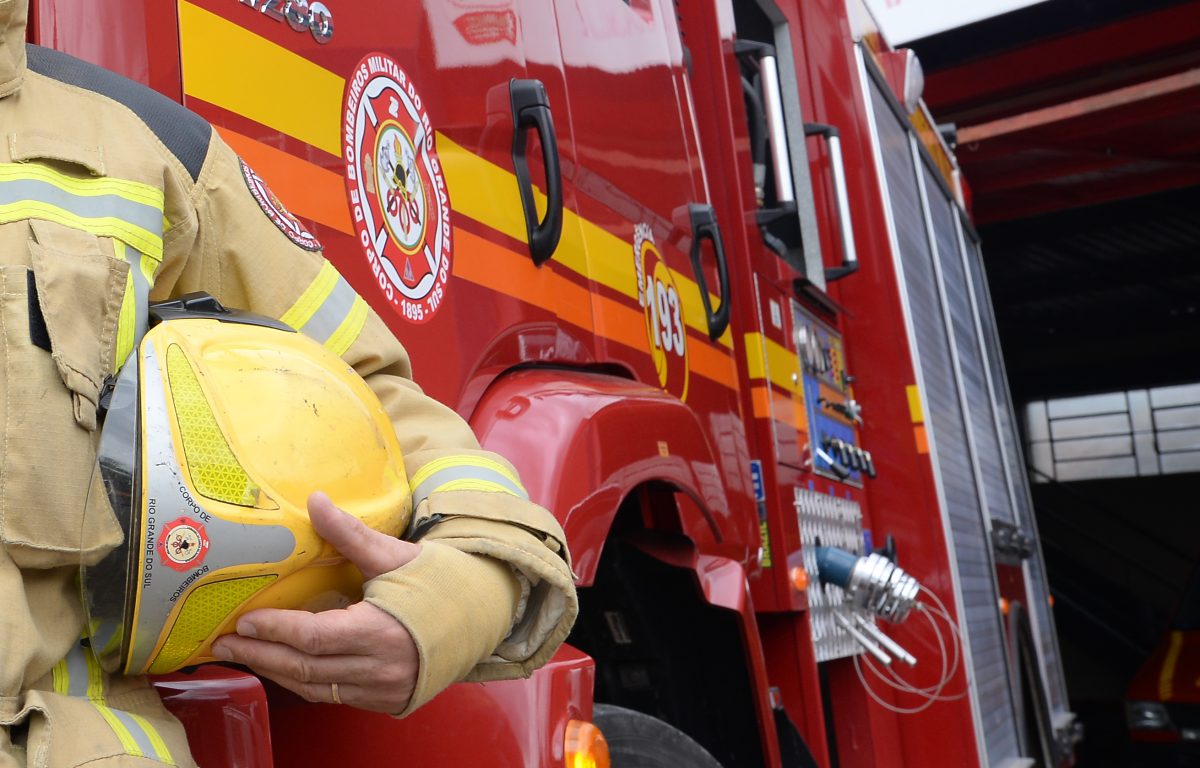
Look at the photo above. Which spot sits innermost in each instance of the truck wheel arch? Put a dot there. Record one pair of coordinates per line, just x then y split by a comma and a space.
574, 437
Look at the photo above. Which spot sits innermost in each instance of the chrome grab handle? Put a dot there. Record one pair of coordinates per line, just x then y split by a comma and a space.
849, 263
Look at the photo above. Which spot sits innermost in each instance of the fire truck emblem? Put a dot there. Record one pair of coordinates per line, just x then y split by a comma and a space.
183, 544
398, 195
659, 299
279, 215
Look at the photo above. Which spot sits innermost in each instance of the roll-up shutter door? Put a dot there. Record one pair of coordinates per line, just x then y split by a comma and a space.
947, 427
972, 365
1035, 569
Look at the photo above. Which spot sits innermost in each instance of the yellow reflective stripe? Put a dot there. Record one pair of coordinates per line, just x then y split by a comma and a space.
348, 331
471, 484
71, 674
108, 207
91, 186
156, 739
104, 226
133, 320
62, 678
127, 320
451, 462
149, 269
128, 743
314, 295
125, 324
464, 473
95, 686
138, 737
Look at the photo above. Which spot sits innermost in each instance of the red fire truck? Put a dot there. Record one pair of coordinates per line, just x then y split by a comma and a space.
702, 270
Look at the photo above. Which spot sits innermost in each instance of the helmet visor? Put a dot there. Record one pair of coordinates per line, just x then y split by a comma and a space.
108, 585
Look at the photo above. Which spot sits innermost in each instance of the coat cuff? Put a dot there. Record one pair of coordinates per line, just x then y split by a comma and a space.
457, 606
530, 540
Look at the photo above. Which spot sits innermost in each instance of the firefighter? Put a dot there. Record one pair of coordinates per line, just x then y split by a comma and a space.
112, 196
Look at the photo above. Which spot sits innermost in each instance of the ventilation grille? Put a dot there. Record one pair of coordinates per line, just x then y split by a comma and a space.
832, 522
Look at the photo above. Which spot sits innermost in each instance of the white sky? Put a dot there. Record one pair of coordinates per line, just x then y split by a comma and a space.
905, 20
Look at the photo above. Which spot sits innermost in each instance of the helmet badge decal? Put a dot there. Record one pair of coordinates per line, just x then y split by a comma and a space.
279, 215
183, 544
397, 192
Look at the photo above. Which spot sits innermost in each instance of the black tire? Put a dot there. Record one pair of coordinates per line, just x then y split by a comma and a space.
636, 740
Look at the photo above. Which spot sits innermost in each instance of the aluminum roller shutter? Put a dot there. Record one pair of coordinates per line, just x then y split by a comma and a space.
972, 365
948, 438
1035, 569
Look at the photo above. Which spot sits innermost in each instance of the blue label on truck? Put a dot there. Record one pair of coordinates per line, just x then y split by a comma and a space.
756, 476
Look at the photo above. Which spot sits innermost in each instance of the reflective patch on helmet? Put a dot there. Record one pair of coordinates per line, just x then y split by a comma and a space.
215, 471
279, 215
206, 607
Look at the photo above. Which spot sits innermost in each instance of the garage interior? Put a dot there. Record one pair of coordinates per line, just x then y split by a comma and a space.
1077, 125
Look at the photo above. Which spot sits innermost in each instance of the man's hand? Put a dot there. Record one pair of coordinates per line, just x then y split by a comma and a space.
369, 654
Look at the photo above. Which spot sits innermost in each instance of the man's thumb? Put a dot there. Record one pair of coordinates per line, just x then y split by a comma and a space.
373, 552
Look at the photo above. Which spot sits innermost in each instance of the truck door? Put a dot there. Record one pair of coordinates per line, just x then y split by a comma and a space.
387, 128
650, 239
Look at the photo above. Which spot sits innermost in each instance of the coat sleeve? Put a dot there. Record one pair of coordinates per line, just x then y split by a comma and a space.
491, 595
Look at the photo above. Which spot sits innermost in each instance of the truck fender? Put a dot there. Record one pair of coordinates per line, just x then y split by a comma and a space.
580, 443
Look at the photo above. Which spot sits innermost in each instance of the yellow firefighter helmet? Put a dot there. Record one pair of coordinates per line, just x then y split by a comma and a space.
218, 427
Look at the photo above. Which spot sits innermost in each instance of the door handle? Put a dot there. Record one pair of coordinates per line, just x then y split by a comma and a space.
704, 227
531, 111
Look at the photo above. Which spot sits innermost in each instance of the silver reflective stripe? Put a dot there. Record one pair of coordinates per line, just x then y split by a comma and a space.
147, 217
77, 672
141, 295
466, 472
140, 737
332, 312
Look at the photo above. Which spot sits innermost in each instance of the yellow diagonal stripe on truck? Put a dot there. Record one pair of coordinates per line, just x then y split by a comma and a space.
767, 359
304, 100
585, 248
230, 66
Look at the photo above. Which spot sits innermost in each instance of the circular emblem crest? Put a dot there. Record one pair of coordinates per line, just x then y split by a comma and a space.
183, 544
397, 192
279, 215
665, 329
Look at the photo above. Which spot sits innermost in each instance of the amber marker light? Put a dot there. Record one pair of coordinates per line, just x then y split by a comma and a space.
799, 578
1004, 605
585, 746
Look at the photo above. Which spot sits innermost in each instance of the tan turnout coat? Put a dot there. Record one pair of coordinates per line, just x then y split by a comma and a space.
68, 130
